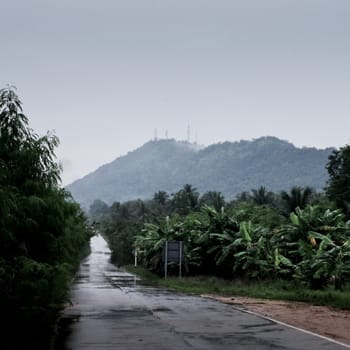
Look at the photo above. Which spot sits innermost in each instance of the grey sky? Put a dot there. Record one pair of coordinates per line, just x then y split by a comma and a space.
104, 74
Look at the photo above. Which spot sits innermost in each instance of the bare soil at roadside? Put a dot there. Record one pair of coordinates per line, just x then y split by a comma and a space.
322, 320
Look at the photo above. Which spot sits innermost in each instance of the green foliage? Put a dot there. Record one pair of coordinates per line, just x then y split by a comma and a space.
98, 210
120, 224
263, 215
246, 240
43, 233
316, 241
262, 196
161, 198
149, 243
298, 197
186, 200
215, 243
295, 235
338, 186
327, 261
213, 199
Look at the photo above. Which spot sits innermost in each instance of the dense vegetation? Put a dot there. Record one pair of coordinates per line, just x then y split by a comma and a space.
229, 168
43, 232
277, 289
299, 235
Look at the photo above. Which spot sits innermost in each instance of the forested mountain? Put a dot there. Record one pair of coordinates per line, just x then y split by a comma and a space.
229, 167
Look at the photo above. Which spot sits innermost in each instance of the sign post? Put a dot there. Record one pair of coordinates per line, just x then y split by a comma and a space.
166, 260
172, 252
180, 258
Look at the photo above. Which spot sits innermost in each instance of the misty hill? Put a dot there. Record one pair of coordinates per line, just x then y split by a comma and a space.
229, 167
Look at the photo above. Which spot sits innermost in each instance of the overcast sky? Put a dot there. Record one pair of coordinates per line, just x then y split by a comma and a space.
105, 73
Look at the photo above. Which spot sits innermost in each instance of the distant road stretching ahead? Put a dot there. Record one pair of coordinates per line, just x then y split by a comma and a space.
111, 310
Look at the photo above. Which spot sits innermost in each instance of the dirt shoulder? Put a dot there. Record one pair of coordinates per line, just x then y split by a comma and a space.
323, 320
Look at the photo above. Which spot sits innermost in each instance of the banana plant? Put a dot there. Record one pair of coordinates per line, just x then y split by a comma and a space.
149, 243
255, 257
282, 265
216, 240
303, 223
325, 262
247, 250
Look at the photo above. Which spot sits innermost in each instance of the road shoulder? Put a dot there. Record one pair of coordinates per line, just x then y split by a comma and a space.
325, 321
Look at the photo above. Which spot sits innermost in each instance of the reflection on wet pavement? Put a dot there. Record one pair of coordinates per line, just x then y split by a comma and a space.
112, 309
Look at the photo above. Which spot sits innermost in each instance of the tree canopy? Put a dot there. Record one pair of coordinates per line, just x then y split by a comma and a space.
43, 233
338, 185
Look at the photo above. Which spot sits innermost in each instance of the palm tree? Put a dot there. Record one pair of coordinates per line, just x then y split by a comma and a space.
338, 185
262, 196
160, 197
297, 197
213, 199
186, 200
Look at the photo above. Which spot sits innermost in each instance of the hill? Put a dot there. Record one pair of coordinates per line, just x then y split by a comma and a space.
229, 167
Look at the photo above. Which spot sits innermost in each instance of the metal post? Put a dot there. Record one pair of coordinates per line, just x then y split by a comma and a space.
135, 253
166, 260
180, 259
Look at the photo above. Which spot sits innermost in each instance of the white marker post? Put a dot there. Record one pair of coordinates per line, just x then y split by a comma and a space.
135, 254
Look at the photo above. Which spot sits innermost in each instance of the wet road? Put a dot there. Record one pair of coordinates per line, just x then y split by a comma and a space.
112, 310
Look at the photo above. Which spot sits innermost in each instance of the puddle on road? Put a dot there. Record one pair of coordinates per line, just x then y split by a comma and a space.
162, 309
124, 313
123, 282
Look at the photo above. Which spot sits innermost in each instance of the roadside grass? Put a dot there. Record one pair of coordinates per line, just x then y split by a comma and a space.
273, 290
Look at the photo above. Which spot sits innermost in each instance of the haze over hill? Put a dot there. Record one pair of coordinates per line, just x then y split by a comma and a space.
229, 167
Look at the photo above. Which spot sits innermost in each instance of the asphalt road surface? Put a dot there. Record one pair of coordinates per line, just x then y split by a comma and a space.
111, 309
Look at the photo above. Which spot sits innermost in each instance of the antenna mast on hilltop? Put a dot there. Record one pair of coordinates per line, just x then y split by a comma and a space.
188, 133
155, 134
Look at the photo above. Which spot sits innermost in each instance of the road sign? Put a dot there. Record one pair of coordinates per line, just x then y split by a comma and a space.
172, 252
